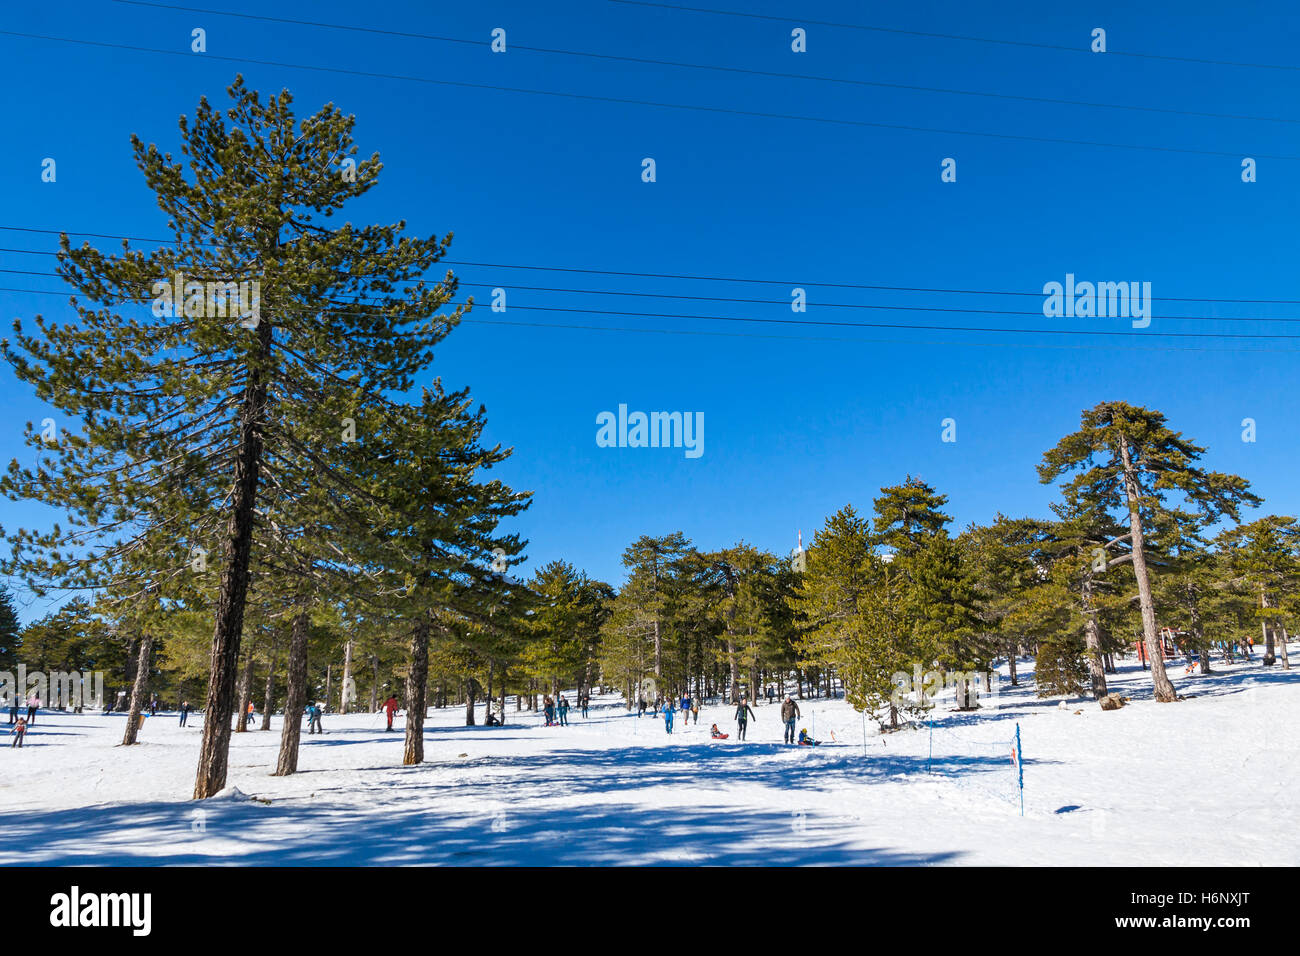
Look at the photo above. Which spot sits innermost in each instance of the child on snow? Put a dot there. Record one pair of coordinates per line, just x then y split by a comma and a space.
805, 740
716, 734
19, 732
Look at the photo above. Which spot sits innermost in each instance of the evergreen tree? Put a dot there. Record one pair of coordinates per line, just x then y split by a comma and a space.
10, 631
1128, 459
184, 411
1264, 556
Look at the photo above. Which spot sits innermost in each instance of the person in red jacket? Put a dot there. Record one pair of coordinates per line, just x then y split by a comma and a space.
390, 708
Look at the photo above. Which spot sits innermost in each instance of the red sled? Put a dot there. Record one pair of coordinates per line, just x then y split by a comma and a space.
721, 736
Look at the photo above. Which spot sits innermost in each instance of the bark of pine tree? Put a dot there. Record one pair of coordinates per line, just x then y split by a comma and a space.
295, 695
1198, 637
214, 749
1164, 688
139, 690
417, 680
245, 693
1092, 642
347, 692
374, 683
1012, 647
1269, 642
469, 702
268, 695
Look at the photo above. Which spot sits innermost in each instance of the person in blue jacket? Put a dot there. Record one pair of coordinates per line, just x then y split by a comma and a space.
668, 715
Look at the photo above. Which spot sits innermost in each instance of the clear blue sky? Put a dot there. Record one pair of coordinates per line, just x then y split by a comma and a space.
798, 421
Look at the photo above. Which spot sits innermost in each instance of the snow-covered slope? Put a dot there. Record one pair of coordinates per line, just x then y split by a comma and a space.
1210, 780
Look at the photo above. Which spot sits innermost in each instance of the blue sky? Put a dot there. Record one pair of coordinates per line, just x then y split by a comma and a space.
798, 420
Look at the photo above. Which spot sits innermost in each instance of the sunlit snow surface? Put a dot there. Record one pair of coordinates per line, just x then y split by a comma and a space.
1212, 780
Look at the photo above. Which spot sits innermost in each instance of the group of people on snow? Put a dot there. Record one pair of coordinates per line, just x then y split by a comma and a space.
690, 708
556, 711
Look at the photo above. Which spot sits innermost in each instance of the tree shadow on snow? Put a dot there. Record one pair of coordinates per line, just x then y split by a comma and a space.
307, 835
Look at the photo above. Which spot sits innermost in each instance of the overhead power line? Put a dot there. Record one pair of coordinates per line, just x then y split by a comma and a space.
679, 64
956, 36
736, 300
658, 104
693, 277
343, 310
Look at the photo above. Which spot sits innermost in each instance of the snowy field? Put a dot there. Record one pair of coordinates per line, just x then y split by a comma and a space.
1208, 781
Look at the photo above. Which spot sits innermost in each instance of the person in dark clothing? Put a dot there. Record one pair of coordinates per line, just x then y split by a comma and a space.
640, 707
743, 713
185, 711
585, 701
153, 706
562, 708
789, 714
13, 709
33, 705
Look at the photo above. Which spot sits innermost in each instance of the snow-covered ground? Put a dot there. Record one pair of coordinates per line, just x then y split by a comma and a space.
1211, 780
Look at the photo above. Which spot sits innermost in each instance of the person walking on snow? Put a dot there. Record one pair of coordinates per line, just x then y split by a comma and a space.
153, 706
252, 716
789, 714
19, 732
548, 708
695, 711
33, 705
743, 713
185, 711
390, 708
668, 716
584, 701
563, 709
313, 719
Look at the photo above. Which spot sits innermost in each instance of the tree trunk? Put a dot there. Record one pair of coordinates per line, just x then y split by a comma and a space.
245, 693
1092, 642
1011, 662
214, 750
417, 679
329, 684
295, 695
659, 668
1164, 688
139, 691
268, 698
469, 702
348, 693
1286, 660
735, 672
374, 683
